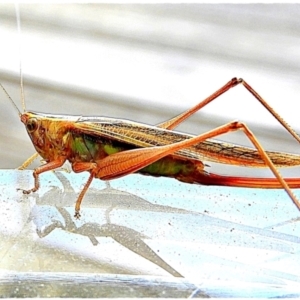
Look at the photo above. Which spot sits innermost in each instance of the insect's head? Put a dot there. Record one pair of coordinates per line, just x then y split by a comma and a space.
34, 120
38, 123
34, 126
30, 121
47, 133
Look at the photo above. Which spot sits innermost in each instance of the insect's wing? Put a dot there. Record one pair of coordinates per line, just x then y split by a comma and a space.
149, 144
138, 135
142, 135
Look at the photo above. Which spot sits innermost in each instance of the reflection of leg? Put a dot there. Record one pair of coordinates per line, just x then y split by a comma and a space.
107, 212
133, 240
71, 227
93, 240
293, 220
69, 224
64, 181
47, 230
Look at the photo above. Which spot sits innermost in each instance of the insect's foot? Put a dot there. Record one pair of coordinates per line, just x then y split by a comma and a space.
77, 215
26, 192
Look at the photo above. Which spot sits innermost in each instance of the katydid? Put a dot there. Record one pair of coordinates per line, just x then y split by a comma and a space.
110, 148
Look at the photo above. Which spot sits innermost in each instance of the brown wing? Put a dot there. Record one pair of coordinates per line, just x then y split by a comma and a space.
142, 135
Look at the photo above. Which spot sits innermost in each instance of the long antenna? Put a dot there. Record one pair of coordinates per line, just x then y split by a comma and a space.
11, 100
20, 55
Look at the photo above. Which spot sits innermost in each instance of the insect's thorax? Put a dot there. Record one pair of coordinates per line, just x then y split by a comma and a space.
88, 148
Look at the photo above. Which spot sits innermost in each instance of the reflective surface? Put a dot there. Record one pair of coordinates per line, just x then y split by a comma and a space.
218, 239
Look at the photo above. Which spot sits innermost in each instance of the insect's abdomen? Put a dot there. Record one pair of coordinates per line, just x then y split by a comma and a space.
169, 166
87, 148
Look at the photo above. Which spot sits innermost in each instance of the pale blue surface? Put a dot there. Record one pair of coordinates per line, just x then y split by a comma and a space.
156, 226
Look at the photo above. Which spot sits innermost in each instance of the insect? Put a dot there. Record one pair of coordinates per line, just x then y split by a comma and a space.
110, 148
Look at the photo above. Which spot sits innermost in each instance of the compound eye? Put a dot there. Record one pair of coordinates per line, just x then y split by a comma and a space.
32, 124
